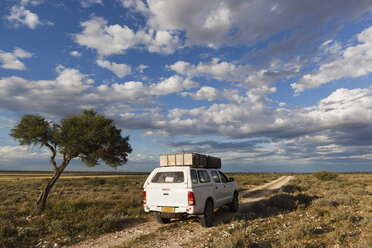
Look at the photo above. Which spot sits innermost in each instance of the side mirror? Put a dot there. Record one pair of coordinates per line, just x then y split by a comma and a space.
231, 179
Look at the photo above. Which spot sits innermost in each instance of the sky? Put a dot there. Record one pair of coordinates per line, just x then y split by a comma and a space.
271, 86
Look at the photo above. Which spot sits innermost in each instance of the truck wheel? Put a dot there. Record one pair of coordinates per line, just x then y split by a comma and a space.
234, 205
161, 220
207, 219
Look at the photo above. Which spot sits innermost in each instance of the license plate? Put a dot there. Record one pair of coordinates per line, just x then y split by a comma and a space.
167, 209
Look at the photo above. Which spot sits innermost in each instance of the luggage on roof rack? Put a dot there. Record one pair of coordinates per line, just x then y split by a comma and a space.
190, 159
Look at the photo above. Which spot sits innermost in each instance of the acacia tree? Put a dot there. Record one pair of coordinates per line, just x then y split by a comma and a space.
90, 137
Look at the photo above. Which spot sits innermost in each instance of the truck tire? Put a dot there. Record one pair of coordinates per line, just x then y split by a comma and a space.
234, 205
161, 220
207, 219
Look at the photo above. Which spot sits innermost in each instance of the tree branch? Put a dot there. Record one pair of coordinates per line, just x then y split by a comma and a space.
52, 158
64, 163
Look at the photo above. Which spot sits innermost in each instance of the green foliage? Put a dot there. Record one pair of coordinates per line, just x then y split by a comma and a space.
32, 130
88, 136
93, 137
325, 175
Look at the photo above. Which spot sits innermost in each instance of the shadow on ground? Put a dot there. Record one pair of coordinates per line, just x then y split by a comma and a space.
286, 199
282, 200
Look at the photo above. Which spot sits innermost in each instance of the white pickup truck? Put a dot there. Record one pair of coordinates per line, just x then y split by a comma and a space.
179, 191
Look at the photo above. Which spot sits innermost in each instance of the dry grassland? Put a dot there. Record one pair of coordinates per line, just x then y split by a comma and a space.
308, 212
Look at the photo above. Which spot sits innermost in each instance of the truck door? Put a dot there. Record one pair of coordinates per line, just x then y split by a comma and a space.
213, 191
228, 190
218, 188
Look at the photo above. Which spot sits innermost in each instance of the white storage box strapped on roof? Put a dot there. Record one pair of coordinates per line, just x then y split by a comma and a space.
190, 159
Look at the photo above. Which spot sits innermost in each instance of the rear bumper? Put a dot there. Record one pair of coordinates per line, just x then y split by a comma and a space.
177, 210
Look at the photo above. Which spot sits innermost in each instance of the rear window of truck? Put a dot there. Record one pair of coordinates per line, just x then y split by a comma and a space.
168, 177
194, 176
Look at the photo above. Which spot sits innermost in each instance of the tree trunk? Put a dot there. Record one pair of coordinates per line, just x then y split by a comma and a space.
41, 202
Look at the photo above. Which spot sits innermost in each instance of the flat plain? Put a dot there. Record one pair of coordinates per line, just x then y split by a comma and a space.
307, 212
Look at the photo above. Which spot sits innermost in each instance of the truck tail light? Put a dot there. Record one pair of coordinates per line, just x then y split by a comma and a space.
144, 198
191, 198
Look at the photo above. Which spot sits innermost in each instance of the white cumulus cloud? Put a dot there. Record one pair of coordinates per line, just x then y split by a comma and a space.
21, 15
355, 61
120, 70
11, 60
97, 34
206, 93
172, 85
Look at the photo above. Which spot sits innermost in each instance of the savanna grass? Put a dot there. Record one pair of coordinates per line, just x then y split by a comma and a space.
76, 208
307, 213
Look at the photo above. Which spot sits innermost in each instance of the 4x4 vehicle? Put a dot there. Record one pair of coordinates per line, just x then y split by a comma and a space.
179, 191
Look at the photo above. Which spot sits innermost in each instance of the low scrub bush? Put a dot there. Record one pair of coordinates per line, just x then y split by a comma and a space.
28, 231
325, 175
283, 201
259, 208
290, 188
334, 201
360, 191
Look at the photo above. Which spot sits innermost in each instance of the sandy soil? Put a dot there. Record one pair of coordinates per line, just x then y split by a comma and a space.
182, 236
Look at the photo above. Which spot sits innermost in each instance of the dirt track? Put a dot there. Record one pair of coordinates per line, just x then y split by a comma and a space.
189, 232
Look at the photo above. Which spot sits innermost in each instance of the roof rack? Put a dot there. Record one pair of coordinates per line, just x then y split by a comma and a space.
190, 159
